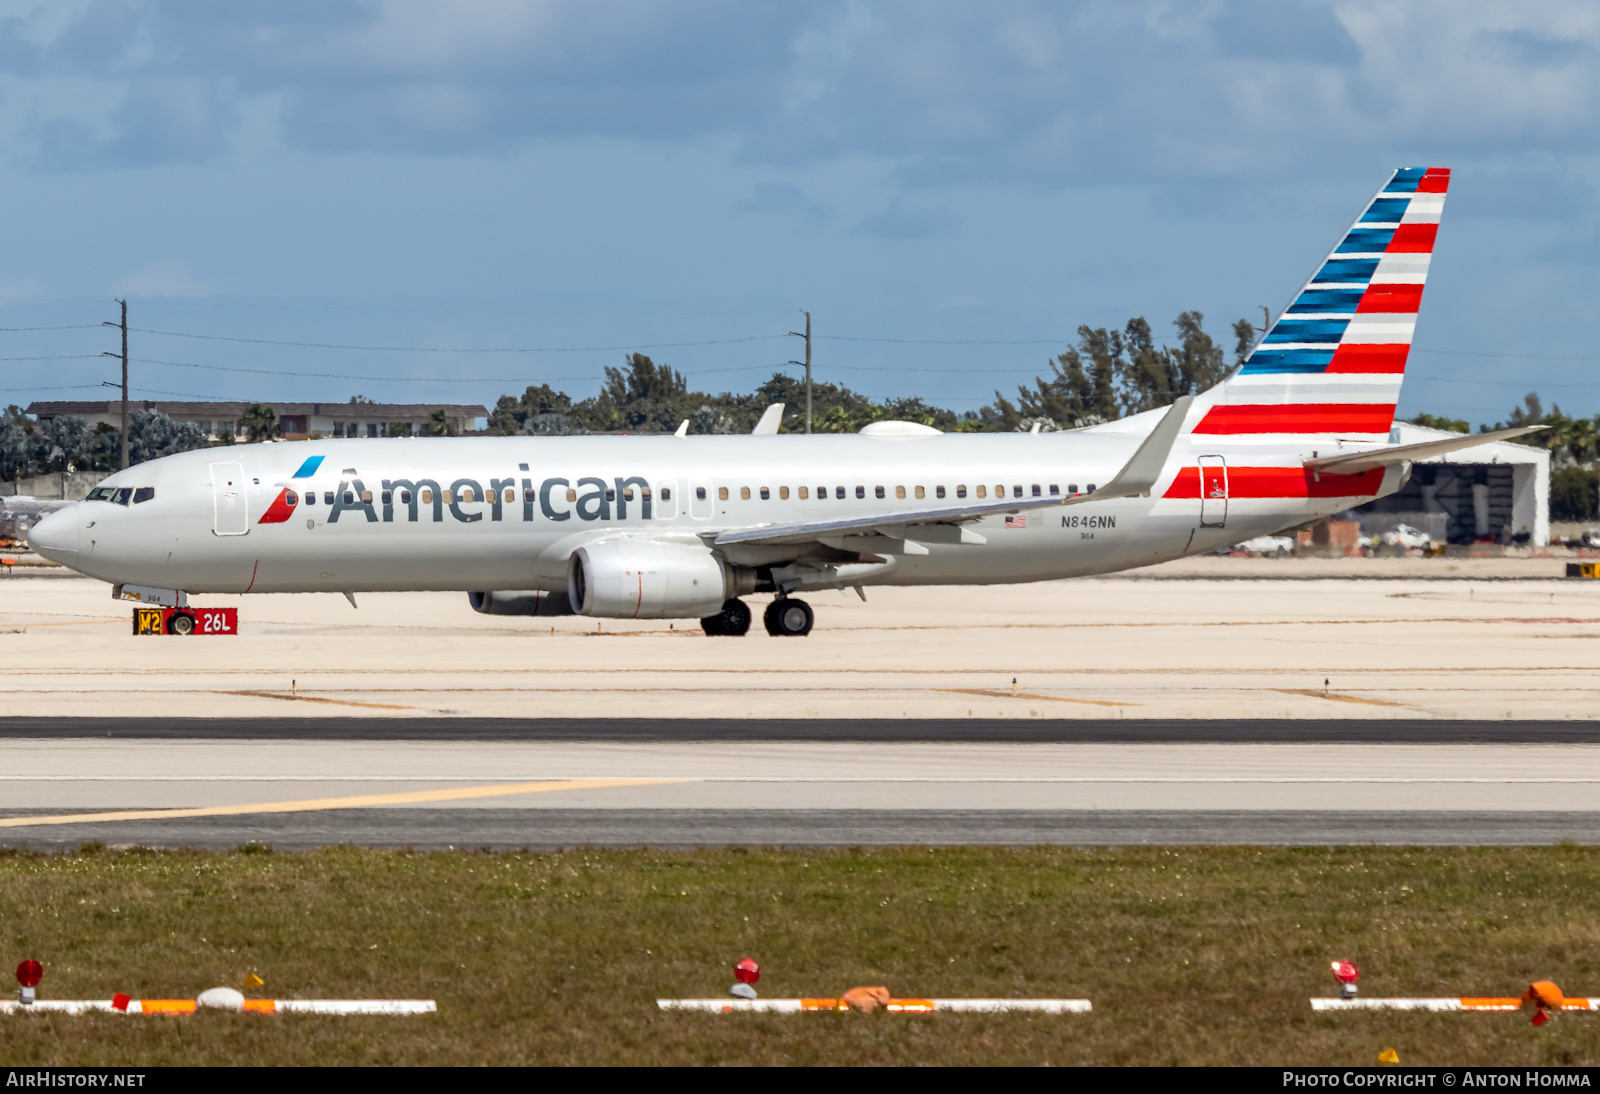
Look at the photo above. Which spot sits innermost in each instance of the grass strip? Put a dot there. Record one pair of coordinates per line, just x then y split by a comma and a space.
1191, 955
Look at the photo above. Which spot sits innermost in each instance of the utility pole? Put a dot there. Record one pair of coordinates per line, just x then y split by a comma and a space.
124, 356
807, 363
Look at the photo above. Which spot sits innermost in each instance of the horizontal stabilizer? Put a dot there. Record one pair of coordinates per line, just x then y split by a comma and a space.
1356, 462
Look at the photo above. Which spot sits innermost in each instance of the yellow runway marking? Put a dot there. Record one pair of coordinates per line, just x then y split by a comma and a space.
314, 699
407, 798
1336, 697
1041, 698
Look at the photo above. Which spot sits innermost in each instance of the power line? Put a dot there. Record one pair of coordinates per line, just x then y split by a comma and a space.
460, 349
62, 357
75, 326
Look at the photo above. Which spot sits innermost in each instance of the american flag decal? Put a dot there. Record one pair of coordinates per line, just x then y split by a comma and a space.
1017, 522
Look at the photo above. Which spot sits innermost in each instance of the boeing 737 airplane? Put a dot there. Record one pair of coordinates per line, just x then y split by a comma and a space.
681, 527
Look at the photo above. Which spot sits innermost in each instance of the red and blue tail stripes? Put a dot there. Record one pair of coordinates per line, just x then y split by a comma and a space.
1333, 361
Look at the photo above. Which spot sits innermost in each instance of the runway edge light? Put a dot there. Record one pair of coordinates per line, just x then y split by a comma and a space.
1347, 974
746, 972
29, 973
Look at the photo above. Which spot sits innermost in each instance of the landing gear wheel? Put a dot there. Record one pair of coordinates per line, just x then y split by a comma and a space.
181, 623
731, 622
788, 618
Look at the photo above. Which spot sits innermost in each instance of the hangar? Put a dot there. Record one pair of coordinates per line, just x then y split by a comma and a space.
1493, 493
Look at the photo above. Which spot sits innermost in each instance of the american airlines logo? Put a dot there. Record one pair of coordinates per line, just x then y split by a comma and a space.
468, 500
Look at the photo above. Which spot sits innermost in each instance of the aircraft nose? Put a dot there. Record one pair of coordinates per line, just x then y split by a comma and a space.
56, 536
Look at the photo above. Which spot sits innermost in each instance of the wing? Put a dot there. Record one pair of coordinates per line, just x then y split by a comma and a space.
1136, 478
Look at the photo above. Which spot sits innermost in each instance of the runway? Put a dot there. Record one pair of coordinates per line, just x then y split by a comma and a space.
527, 783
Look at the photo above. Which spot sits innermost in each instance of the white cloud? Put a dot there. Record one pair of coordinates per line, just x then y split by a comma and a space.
167, 278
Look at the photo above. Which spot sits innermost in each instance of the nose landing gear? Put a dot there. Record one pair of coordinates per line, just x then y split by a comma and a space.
788, 618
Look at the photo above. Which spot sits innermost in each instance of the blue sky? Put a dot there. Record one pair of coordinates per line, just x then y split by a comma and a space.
983, 178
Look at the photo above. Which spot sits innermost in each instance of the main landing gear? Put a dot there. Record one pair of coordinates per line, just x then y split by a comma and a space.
731, 622
788, 618
784, 618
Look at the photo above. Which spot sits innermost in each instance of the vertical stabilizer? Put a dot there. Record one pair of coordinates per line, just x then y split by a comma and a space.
1332, 363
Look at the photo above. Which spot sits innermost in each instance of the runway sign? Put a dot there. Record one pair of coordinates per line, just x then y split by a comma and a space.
898, 1006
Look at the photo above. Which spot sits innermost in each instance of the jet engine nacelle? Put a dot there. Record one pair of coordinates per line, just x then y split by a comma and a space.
647, 579
520, 602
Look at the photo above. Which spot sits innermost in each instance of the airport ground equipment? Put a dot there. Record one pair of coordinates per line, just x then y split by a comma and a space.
894, 1006
185, 621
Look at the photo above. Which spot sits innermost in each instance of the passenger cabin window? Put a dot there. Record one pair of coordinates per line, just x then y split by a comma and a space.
366, 496
1000, 491
666, 493
920, 492
1055, 488
290, 498
627, 495
699, 493
861, 491
1072, 488
722, 493
983, 491
1036, 490
877, 491
311, 497
938, 492
572, 495
425, 495
899, 491
1091, 488
350, 498
405, 497
961, 491
388, 497
838, 492
121, 496
744, 493
327, 497
509, 495
783, 493
805, 492
766, 494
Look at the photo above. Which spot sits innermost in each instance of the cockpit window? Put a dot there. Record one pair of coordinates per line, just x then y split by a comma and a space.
100, 493
121, 496
143, 493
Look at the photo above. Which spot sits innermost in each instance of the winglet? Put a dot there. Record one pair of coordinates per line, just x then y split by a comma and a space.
1142, 472
683, 429
771, 419
1356, 462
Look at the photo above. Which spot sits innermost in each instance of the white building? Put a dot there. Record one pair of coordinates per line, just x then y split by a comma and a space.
1497, 492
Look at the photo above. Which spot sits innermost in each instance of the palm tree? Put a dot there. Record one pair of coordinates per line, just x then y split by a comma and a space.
439, 424
260, 422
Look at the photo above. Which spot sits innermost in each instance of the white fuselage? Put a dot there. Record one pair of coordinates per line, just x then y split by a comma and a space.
401, 518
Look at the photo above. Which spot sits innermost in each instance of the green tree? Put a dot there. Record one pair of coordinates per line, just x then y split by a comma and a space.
1434, 421
1244, 340
438, 424
15, 452
1574, 494
260, 423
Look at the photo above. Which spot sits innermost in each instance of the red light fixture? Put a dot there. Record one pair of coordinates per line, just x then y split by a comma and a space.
747, 971
29, 973
1347, 974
